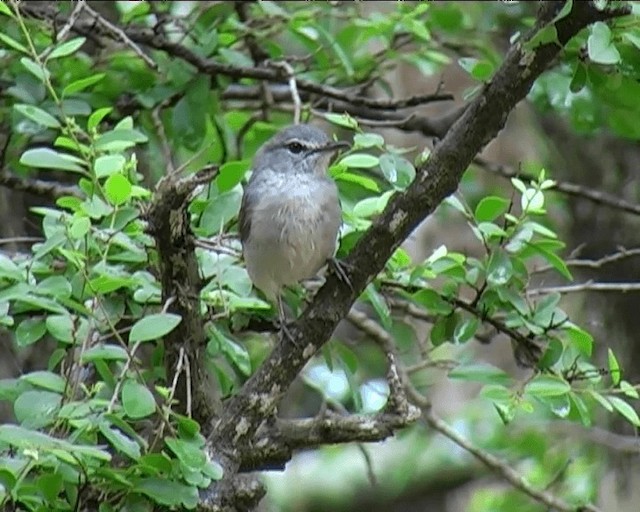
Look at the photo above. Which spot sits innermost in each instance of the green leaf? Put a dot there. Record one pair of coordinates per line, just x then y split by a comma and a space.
614, 368
105, 353
189, 453
600, 45
548, 385
9, 270
106, 165
432, 301
35, 69
603, 401
231, 173
532, 201
490, 208
629, 390
559, 405
120, 441
379, 304
79, 227
579, 79
55, 286
137, 400
481, 372
367, 140
61, 327
553, 259
488, 231
96, 118
212, 469
625, 410
340, 174
4, 9
29, 331
67, 48
547, 34
371, 206
167, 492
499, 269
342, 120
9, 41
28, 439
47, 158
117, 189
119, 140
219, 211
153, 327
82, 84
50, 485
466, 330
478, 69
397, 170
443, 329
360, 161
45, 380
236, 353
581, 408
36, 409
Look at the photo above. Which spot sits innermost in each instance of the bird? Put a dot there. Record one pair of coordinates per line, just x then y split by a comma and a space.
290, 214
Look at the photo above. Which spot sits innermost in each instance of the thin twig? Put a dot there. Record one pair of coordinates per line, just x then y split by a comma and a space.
572, 189
73, 17
121, 377
293, 88
605, 260
162, 135
518, 481
122, 35
20, 240
503, 469
589, 286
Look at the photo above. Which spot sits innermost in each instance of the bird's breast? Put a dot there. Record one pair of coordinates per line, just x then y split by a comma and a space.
295, 225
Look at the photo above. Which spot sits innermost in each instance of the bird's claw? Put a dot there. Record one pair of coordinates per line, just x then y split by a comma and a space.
285, 332
340, 269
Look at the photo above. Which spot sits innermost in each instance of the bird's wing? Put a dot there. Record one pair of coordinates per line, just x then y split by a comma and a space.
246, 213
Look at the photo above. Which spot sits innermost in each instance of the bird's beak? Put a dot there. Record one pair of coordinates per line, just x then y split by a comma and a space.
332, 146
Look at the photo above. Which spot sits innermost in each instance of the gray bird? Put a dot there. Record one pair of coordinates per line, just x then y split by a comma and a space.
290, 213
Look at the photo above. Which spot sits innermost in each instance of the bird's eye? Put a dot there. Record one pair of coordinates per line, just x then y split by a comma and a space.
295, 147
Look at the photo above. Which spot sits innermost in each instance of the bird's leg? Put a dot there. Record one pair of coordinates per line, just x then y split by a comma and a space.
339, 268
282, 320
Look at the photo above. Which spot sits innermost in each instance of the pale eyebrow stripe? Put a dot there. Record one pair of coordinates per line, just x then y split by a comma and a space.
303, 143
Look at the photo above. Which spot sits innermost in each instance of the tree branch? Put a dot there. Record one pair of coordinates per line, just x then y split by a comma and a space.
589, 286
49, 189
136, 35
275, 444
503, 469
571, 189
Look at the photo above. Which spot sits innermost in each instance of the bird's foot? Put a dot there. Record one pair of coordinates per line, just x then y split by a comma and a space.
285, 333
340, 268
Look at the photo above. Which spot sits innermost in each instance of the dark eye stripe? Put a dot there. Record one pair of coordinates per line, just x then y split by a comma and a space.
295, 147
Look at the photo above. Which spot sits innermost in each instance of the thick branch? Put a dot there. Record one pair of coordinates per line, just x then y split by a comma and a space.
50, 189
275, 444
181, 285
